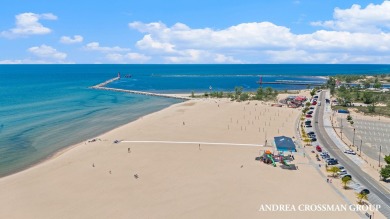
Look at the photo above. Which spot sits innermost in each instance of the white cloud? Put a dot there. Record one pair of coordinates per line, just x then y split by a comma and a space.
47, 52
260, 42
28, 24
70, 40
148, 43
373, 18
8, 61
95, 46
127, 58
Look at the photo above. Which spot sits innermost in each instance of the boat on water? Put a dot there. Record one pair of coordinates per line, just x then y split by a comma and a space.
128, 76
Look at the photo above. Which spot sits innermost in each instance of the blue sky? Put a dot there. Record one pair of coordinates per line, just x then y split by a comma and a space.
248, 31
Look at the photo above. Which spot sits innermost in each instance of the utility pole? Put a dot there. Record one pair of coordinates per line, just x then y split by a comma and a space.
341, 129
361, 142
353, 141
379, 159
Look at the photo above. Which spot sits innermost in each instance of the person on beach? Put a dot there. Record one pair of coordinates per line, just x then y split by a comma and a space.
199, 146
109, 171
128, 150
327, 180
93, 165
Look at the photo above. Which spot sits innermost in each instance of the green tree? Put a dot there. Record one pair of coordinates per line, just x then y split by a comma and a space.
361, 197
385, 172
346, 180
259, 94
366, 84
357, 94
367, 97
244, 96
312, 92
387, 159
268, 91
377, 85
238, 92
334, 170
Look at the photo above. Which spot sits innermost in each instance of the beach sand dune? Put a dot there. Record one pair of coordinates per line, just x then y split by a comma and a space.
153, 180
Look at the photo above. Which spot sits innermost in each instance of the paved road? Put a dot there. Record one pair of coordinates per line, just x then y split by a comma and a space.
378, 194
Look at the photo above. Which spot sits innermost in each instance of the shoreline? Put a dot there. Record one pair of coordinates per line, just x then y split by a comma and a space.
67, 148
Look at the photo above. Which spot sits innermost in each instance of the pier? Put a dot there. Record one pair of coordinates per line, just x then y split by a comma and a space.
311, 83
101, 86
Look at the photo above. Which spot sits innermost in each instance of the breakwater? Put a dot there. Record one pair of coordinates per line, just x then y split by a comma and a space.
101, 86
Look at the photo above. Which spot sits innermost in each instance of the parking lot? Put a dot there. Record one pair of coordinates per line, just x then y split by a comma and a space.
372, 135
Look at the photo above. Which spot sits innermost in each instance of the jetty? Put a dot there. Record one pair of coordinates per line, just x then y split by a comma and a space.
312, 83
102, 86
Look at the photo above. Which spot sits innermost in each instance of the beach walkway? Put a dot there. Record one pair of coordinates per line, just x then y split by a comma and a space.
194, 142
101, 86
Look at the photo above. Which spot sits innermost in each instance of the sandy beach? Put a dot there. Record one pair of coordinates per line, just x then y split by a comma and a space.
103, 179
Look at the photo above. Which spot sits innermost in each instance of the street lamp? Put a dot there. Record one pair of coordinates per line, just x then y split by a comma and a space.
353, 141
361, 142
379, 159
341, 129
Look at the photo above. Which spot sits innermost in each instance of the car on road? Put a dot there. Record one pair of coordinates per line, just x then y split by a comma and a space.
349, 151
319, 103
318, 148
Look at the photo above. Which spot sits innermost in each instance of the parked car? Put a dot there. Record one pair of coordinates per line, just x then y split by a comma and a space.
308, 126
340, 167
349, 151
311, 133
343, 172
310, 112
314, 103
324, 153
313, 139
312, 108
330, 159
318, 148
308, 116
332, 162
